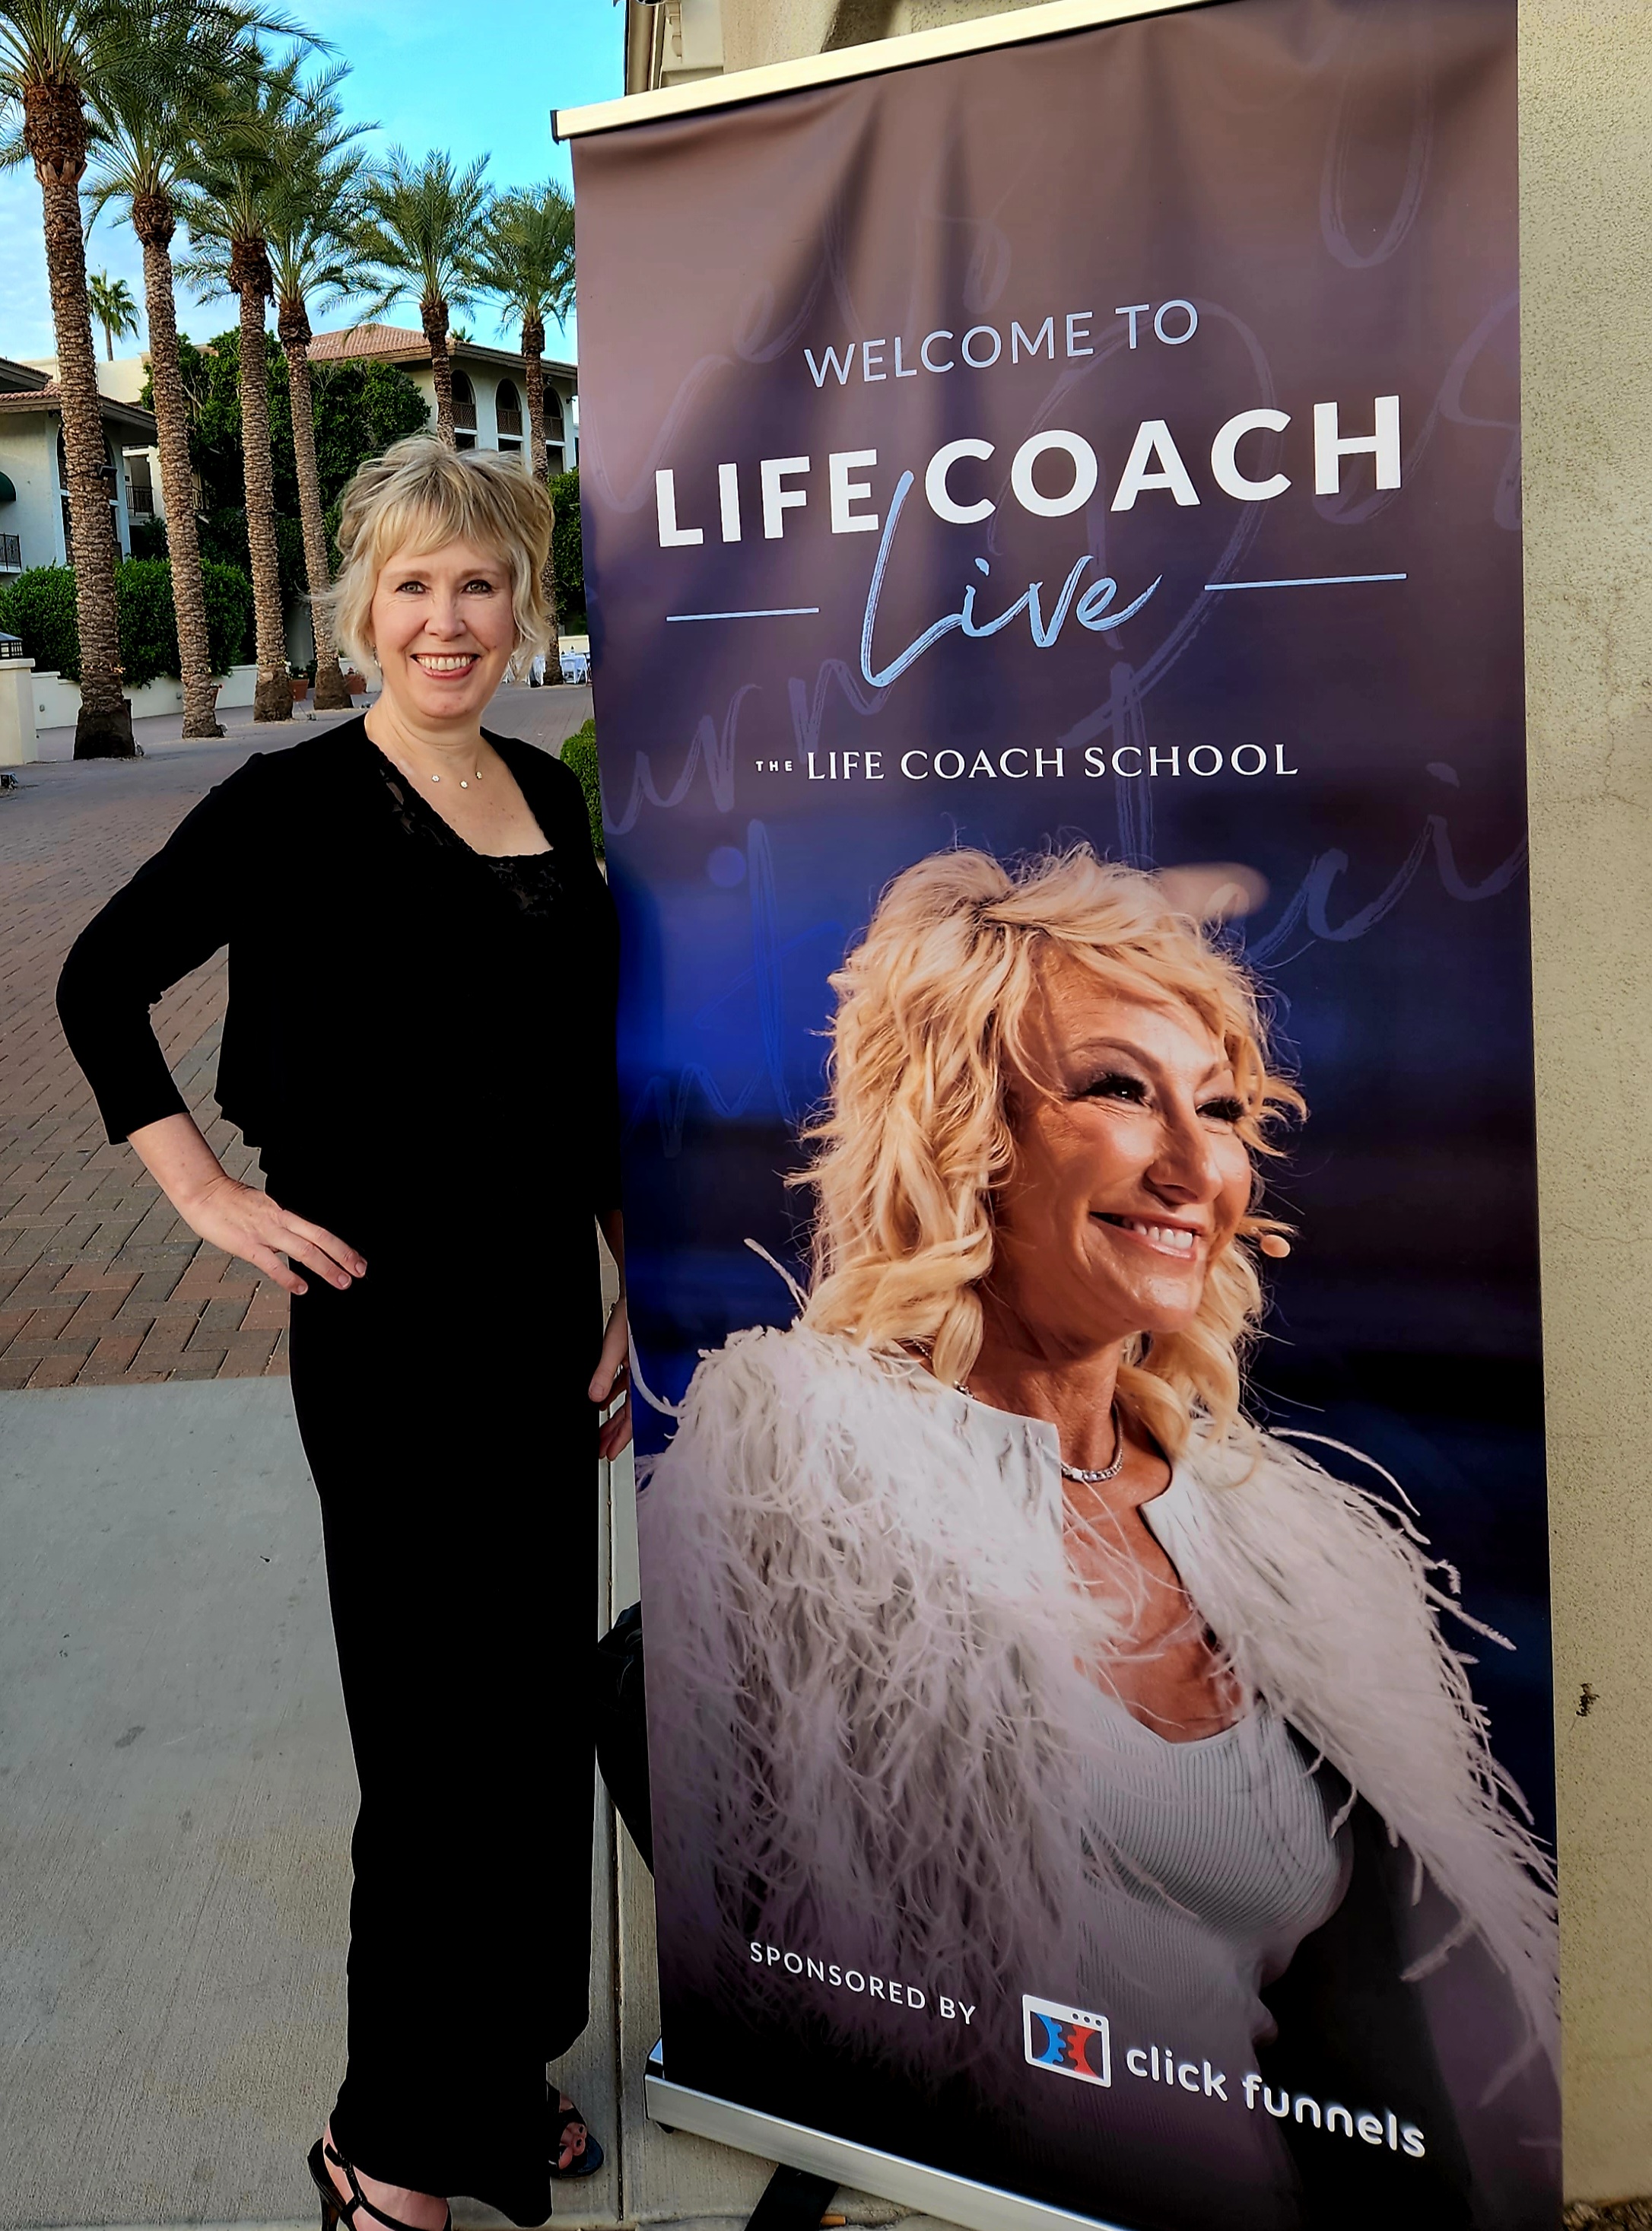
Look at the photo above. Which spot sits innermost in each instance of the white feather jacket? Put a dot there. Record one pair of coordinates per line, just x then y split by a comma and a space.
864, 1691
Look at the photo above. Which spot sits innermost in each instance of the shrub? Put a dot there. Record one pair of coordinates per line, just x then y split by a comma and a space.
567, 554
40, 606
149, 622
148, 627
580, 753
229, 614
149, 538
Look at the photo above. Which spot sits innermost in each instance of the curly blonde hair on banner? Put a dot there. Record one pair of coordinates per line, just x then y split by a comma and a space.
421, 495
917, 1138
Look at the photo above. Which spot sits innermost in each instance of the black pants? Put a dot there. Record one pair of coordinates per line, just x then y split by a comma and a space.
442, 1409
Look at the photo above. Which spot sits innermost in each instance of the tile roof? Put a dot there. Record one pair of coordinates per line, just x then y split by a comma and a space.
406, 345
15, 376
373, 341
19, 402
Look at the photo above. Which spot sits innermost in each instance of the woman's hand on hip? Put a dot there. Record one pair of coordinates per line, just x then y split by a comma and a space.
247, 1223
608, 1383
238, 1218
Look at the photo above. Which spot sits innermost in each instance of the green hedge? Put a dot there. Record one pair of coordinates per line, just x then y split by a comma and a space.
148, 627
580, 753
568, 555
41, 607
228, 616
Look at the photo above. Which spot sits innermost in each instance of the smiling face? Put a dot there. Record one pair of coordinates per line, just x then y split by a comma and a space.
1131, 1175
443, 631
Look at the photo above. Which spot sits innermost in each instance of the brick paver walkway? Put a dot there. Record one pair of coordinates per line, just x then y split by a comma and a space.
99, 1280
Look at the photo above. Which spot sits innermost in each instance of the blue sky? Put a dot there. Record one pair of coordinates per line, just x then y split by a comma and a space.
479, 79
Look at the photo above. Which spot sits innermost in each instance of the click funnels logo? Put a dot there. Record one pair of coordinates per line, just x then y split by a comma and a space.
1067, 2041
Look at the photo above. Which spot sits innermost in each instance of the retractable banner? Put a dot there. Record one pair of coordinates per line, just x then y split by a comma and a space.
1052, 539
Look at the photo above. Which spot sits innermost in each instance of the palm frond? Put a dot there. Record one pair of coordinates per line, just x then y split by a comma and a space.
526, 257
80, 42
421, 221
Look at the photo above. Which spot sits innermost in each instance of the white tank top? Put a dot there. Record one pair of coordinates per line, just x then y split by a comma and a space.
1212, 1861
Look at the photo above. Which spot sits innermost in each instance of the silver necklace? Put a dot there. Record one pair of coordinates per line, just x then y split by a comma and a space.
1076, 1473
1112, 1472
464, 783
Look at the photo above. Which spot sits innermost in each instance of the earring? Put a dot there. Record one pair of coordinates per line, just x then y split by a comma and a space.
1274, 1243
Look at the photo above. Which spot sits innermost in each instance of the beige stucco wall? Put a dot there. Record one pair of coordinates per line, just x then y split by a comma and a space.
756, 31
1586, 259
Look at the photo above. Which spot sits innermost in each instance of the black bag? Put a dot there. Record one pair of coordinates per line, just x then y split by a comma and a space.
622, 1727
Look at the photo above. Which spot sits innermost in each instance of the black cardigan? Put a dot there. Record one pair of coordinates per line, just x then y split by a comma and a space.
382, 988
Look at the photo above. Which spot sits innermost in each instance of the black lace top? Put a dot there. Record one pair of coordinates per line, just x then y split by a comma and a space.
533, 879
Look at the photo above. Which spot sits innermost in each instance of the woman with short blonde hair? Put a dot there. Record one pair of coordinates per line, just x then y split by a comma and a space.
993, 1651
421, 492
419, 1043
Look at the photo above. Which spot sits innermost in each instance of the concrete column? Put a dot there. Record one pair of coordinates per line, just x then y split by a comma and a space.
1586, 271
18, 745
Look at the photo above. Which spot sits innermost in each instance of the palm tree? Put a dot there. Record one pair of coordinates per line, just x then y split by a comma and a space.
113, 308
147, 114
52, 53
527, 260
311, 211
54, 56
422, 220
312, 227
234, 174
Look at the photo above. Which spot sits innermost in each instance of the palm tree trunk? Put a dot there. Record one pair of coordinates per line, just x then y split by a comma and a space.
153, 221
293, 323
55, 135
433, 315
533, 367
250, 276
108, 343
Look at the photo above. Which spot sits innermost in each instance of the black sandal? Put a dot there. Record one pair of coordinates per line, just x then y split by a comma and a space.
335, 2208
556, 2121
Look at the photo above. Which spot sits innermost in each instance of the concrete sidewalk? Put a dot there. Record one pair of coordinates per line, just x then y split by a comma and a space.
178, 1806
174, 1862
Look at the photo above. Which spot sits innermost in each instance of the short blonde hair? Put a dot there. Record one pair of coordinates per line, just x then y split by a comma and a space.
420, 495
917, 1139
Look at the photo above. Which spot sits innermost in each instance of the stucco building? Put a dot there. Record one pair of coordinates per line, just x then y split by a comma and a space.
489, 387
34, 497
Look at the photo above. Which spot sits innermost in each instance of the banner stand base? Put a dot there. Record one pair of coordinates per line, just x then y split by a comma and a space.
793, 2201
956, 2199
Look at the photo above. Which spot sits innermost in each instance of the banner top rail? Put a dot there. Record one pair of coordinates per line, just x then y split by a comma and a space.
873, 59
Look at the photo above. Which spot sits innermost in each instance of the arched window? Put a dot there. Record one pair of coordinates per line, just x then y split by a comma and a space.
464, 401
508, 406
